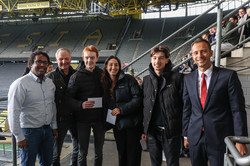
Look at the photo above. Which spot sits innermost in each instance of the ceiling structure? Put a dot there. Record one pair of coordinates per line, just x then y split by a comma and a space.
21, 9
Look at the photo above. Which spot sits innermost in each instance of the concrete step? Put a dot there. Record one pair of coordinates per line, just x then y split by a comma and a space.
233, 61
241, 52
247, 44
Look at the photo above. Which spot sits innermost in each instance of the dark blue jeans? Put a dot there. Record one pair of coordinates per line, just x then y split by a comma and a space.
84, 130
63, 127
157, 141
39, 143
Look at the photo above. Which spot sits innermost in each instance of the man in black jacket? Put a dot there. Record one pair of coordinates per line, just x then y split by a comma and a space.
85, 90
65, 116
162, 107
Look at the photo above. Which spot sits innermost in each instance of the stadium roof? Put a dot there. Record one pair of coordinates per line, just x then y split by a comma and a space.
35, 9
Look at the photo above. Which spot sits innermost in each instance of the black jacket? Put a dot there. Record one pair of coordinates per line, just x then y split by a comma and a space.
63, 112
84, 84
128, 98
170, 99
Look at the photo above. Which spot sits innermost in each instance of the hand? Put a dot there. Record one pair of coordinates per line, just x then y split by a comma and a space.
55, 133
22, 144
144, 136
115, 112
185, 142
242, 148
88, 104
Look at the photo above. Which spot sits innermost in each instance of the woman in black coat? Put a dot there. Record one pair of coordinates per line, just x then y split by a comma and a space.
123, 96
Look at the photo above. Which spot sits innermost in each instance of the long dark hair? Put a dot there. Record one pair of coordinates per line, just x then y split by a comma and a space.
105, 78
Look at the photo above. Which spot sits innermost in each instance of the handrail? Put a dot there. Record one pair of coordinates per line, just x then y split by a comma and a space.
167, 38
3, 98
240, 160
223, 54
188, 41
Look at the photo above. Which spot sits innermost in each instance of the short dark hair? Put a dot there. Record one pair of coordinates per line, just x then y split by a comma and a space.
34, 54
243, 9
163, 49
199, 40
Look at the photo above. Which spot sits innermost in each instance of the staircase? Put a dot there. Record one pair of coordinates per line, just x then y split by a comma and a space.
239, 60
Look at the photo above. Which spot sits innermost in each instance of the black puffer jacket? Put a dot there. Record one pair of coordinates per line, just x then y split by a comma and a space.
63, 112
128, 98
84, 84
170, 99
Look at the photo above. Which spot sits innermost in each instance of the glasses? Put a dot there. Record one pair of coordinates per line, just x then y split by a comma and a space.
42, 62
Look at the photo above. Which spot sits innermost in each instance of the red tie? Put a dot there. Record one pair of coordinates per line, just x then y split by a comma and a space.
203, 90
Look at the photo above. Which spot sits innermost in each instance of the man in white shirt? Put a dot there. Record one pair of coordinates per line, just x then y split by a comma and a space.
32, 112
245, 29
214, 108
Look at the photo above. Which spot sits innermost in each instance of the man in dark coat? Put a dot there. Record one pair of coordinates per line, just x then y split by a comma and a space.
214, 107
65, 115
86, 92
162, 108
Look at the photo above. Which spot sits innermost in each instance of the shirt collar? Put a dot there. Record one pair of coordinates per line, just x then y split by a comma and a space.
35, 78
208, 72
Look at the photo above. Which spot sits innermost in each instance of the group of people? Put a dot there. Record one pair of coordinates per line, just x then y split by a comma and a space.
204, 106
227, 25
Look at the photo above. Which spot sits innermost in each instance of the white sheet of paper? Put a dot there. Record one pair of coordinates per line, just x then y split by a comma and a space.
98, 102
110, 118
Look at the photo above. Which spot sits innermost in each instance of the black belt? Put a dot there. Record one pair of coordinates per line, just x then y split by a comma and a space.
44, 127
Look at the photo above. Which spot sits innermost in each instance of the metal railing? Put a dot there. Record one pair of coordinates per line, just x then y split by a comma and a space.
175, 33
13, 144
230, 147
195, 37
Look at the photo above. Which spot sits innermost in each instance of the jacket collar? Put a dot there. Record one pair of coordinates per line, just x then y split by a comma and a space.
82, 68
165, 72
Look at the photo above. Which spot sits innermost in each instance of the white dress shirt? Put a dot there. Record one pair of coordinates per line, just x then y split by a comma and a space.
31, 104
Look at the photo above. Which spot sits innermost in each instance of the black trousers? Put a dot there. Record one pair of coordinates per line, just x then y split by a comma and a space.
201, 153
128, 146
158, 142
84, 130
63, 127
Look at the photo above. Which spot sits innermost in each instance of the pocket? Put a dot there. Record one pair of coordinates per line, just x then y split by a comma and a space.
27, 131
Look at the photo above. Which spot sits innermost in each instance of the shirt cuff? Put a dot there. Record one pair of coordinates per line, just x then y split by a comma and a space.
53, 125
20, 138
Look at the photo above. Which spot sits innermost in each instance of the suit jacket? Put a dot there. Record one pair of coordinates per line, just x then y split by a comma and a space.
224, 112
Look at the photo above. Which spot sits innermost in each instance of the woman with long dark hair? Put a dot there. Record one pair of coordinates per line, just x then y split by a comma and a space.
123, 96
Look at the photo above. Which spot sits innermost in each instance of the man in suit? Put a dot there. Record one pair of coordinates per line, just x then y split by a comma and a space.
214, 107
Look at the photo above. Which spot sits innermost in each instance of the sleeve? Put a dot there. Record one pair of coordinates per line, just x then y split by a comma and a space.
53, 122
72, 90
135, 103
54, 111
237, 105
186, 110
16, 97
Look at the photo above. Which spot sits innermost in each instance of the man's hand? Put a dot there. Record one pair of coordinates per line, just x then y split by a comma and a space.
55, 133
185, 142
144, 136
22, 144
242, 148
88, 104
115, 112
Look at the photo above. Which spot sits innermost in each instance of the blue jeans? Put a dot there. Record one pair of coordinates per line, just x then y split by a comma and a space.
63, 127
157, 141
40, 143
83, 139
